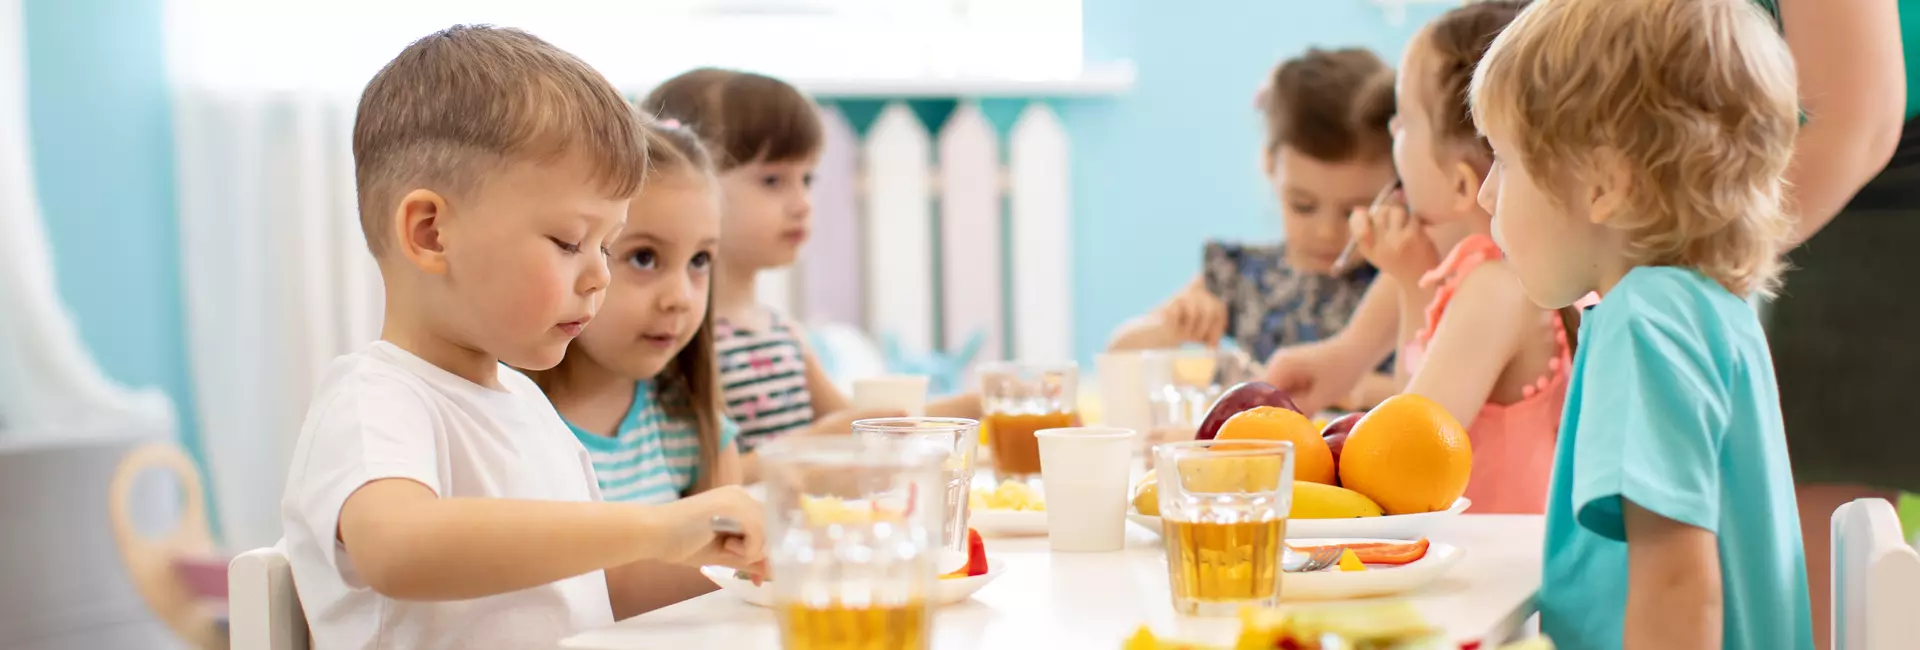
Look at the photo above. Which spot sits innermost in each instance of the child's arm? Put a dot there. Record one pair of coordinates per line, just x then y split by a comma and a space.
1194, 315
1673, 583
408, 543
728, 468
826, 396
1475, 341
647, 585
1324, 373
965, 405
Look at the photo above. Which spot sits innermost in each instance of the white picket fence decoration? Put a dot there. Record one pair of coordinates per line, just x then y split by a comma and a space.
909, 237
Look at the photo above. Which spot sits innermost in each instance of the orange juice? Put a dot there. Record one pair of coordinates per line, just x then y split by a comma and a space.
1016, 453
868, 627
1226, 563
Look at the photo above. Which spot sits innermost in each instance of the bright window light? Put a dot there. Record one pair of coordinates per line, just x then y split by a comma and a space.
338, 44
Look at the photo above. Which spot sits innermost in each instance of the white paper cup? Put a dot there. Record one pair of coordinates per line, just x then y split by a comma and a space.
1084, 470
1123, 390
904, 393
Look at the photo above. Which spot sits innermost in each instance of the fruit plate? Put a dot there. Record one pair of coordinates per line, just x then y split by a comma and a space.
947, 592
1008, 523
1377, 580
1401, 527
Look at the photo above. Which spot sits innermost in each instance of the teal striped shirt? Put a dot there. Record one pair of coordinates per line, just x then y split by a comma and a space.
652, 457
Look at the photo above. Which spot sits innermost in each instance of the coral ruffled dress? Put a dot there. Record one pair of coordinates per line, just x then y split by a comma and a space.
1512, 443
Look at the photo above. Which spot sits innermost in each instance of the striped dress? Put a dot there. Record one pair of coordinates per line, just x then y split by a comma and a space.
763, 376
652, 458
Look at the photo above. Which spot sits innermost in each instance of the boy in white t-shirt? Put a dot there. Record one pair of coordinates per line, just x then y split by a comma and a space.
435, 499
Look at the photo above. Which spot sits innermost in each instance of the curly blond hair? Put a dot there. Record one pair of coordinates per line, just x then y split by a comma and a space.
1695, 99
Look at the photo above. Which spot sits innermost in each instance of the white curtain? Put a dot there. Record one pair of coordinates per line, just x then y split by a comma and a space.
277, 279
49, 383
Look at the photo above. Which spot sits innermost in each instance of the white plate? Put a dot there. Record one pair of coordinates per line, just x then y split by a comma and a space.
1403, 527
947, 591
1008, 523
1377, 580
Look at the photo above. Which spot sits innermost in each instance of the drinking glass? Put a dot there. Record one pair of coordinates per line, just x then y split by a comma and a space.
852, 526
958, 440
1019, 398
1223, 516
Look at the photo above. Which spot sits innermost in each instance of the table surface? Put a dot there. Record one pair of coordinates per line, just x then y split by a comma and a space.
1096, 600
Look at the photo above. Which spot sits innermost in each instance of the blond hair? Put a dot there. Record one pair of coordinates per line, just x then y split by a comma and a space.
458, 104
1694, 99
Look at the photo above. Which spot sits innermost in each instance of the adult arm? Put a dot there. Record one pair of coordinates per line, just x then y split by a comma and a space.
1853, 87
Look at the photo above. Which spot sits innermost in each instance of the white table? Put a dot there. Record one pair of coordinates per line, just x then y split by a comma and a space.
1096, 600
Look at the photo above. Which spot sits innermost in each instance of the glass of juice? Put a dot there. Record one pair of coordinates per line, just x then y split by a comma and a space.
958, 439
1019, 398
1223, 515
853, 528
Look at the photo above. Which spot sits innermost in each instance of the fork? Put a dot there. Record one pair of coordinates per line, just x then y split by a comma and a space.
1340, 263
1319, 558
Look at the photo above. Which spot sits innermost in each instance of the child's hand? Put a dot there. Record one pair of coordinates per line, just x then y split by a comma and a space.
1316, 375
841, 423
1196, 315
1394, 242
692, 541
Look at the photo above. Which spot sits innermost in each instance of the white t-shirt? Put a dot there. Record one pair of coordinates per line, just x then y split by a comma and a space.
385, 413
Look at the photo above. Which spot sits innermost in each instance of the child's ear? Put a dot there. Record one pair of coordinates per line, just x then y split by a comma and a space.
419, 230
1607, 190
1466, 186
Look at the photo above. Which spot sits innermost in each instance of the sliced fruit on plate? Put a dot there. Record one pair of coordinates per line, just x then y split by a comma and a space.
976, 557
1351, 562
1387, 553
1009, 495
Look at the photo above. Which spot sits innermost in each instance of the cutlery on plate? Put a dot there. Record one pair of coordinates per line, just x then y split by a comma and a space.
1319, 558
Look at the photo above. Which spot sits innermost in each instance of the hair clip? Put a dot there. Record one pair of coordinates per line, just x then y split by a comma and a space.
669, 123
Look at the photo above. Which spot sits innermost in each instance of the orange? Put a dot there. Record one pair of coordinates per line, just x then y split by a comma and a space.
1312, 460
1409, 455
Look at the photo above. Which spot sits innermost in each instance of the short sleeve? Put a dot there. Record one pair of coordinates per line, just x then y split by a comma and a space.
729, 431
366, 430
1652, 418
1652, 422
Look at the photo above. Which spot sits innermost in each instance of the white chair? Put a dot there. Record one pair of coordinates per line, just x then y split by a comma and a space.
1876, 579
262, 608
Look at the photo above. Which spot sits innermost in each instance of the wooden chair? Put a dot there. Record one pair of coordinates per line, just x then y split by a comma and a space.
1876, 579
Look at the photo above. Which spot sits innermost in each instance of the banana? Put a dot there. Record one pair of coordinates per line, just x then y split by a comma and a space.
1318, 501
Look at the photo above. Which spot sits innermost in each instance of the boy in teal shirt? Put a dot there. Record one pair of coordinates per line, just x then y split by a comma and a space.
1639, 146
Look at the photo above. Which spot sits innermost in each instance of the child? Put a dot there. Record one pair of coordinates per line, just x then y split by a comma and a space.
639, 389
1327, 152
1473, 342
435, 499
765, 138
1639, 148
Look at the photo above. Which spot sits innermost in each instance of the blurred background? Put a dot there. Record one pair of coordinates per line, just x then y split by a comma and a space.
179, 257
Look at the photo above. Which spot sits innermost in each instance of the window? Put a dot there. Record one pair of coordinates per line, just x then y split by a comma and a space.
338, 44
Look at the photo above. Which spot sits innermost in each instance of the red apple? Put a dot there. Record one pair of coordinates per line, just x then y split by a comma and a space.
1241, 397
1336, 433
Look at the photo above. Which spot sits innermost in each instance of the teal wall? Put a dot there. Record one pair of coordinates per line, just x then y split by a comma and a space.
1175, 162
102, 136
